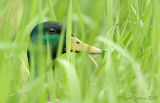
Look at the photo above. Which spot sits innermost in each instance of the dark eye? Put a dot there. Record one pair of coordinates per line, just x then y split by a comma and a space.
52, 30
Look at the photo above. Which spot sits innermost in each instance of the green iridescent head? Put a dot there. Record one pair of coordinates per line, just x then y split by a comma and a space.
51, 31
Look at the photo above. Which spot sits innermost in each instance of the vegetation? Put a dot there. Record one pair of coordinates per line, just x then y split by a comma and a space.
128, 32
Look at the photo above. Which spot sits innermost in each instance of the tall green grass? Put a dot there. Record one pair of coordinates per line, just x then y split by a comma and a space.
128, 69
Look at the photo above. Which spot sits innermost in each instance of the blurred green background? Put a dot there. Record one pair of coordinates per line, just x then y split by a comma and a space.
127, 71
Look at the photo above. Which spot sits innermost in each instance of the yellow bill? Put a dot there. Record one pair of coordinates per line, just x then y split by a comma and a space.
79, 46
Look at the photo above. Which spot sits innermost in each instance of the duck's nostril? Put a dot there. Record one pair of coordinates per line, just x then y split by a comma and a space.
78, 42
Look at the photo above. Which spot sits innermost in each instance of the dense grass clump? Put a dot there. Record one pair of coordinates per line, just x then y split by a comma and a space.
128, 70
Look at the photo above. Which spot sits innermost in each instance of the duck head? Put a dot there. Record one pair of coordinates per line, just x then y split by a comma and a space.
50, 33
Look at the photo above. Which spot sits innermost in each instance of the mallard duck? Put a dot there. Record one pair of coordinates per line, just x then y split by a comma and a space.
51, 32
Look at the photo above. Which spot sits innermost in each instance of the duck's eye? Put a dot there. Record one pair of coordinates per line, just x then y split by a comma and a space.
52, 30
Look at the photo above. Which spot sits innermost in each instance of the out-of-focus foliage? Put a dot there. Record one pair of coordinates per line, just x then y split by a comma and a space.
127, 71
